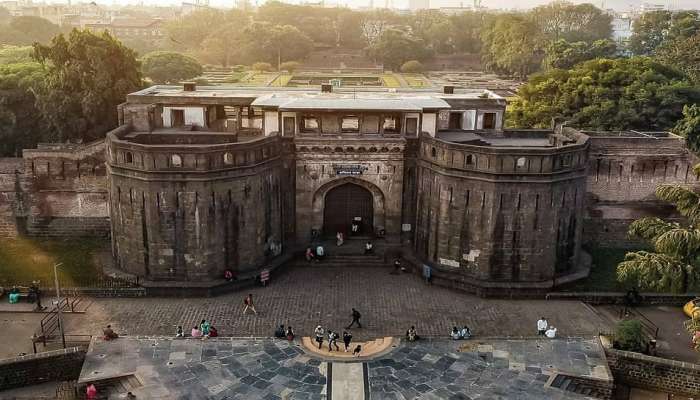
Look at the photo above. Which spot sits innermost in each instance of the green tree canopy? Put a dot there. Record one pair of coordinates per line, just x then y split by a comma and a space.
396, 46
222, 46
673, 265
654, 28
573, 23
512, 45
684, 54
87, 76
21, 124
276, 43
169, 67
604, 94
34, 29
564, 55
689, 126
412, 66
16, 54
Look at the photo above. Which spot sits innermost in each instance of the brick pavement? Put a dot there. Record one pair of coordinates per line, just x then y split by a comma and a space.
307, 296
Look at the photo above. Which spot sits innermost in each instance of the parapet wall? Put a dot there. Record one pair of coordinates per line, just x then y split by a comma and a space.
49, 366
654, 373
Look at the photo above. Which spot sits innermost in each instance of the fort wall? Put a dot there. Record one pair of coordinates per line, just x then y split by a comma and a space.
623, 174
188, 212
500, 214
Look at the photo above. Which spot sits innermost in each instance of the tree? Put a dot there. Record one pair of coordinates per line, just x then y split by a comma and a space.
276, 43
654, 28
396, 46
466, 31
15, 54
689, 126
573, 23
684, 54
512, 45
563, 54
169, 67
290, 66
21, 124
412, 66
673, 263
87, 76
222, 46
35, 29
604, 94
188, 32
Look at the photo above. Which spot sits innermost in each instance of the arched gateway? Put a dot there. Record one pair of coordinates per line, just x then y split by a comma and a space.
347, 203
337, 203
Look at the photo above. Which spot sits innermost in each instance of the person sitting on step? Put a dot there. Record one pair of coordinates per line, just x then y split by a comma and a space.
108, 333
279, 332
411, 334
368, 247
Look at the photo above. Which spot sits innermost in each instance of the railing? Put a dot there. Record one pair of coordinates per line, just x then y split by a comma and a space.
50, 323
67, 284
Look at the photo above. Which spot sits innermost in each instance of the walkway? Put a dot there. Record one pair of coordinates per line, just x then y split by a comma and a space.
305, 297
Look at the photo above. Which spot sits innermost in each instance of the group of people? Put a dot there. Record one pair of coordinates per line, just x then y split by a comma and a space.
460, 334
333, 340
284, 333
544, 329
204, 330
316, 254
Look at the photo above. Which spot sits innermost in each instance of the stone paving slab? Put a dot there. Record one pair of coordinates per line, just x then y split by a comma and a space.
307, 296
226, 368
496, 369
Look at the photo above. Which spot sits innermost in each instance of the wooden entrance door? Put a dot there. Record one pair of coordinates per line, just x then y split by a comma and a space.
344, 204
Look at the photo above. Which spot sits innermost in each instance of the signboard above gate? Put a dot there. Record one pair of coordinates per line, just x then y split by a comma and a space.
349, 169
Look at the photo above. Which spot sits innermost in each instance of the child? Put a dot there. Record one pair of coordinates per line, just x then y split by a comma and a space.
179, 332
213, 332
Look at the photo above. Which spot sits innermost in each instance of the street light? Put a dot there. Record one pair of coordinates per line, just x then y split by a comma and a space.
58, 304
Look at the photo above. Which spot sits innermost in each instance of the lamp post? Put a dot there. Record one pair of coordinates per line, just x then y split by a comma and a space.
58, 304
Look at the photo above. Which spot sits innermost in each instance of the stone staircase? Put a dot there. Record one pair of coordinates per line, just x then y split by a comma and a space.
370, 348
580, 385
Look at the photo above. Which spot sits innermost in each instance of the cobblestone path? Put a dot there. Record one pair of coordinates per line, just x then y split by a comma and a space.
307, 296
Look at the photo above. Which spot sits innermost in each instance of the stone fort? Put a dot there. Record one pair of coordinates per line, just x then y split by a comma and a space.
195, 181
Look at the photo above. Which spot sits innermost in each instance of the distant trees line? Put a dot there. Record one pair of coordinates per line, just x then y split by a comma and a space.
575, 72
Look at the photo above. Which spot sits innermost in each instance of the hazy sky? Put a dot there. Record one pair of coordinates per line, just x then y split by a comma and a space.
620, 5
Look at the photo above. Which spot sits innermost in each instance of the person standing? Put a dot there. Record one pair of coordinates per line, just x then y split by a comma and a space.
339, 238
248, 302
347, 337
318, 332
542, 326
355, 318
332, 340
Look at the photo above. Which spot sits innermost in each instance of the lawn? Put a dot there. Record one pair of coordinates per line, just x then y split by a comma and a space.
603, 277
259, 78
391, 81
416, 80
24, 260
282, 80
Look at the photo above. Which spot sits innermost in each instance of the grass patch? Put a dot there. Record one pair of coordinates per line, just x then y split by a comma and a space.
603, 277
416, 80
282, 80
23, 260
390, 80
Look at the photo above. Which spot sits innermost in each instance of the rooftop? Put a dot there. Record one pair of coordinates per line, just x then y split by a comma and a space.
279, 95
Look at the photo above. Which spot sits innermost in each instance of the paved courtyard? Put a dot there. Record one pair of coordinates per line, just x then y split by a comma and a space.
307, 296
167, 368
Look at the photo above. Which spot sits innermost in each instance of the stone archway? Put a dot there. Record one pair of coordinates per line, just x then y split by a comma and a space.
377, 208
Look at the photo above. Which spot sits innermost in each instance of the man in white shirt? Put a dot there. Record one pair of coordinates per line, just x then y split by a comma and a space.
551, 332
541, 326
